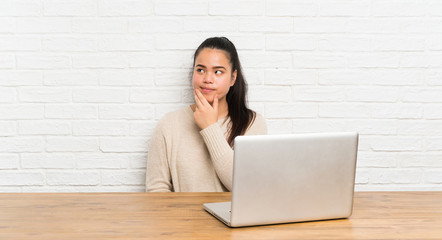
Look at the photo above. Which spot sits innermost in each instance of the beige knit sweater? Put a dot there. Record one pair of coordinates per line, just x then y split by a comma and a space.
184, 158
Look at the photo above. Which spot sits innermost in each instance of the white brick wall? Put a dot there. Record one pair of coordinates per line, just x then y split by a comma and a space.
83, 83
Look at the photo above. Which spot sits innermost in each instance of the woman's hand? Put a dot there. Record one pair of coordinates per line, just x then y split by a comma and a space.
205, 114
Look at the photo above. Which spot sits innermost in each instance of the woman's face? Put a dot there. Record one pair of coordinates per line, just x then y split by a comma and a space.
212, 74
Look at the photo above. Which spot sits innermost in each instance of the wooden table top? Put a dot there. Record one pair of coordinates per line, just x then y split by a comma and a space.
376, 215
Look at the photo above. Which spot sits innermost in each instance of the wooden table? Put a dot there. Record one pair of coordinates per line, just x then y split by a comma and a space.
376, 215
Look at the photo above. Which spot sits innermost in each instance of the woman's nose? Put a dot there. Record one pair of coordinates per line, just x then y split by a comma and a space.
208, 78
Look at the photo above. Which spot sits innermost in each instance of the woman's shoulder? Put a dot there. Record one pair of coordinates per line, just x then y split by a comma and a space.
258, 126
179, 115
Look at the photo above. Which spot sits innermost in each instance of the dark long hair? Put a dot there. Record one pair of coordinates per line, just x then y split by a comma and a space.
241, 117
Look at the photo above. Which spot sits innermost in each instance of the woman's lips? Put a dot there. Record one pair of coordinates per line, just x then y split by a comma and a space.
207, 90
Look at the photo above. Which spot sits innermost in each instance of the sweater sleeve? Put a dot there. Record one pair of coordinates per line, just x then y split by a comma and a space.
158, 178
220, 150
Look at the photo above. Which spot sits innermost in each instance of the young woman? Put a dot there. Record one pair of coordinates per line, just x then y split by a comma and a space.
191, 148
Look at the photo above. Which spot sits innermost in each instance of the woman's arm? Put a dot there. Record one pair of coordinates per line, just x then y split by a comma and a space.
158, 177
220, 151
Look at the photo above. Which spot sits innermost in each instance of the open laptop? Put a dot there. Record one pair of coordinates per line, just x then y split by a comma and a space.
290, 178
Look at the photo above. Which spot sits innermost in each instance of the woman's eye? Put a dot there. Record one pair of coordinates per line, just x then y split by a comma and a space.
218, 72
200, 70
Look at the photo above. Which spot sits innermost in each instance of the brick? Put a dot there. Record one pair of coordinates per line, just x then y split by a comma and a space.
156, 25
117, 8
273, 24
373, 60
70, 111
279, 126
398, 44
371, 94
344, 44
20, 8
180, 77
100, 60
7, 61
290, 77
138, 161
418, 160
124, 111
399, 176
362, 177
123, 177
371, 126
432, 176
420, 127
266, 60
187, 41
123, 144
298, 110
7, 25
21, 178
103, 160
43, 25
20, 43
69, 44
434, 7
181, 7
269, 94
254, 76
47, 160
71, 144
8, 128
397, 110
284, 42
249, 41
127, 77
344, 77
100, 128
414, 60
236, 8
291, 8
319, 25
43, 61
344, 8
398, 8
396, 143
99, 25
344, 110
432, 111
73, 178
155, 95
21, 111
44, 95
70, 78
142, 128
210, 24
374, 25
9, 161
138, 43
433, 144
426, 95
317, 125
318, 94
434, 78
376, 160
394, 77
72, 8
161, 60
7, 95
44, 127
20, 78
21, 144
319, 61
100, 95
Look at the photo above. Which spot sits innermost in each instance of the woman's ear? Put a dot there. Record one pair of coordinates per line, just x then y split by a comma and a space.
232, 82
